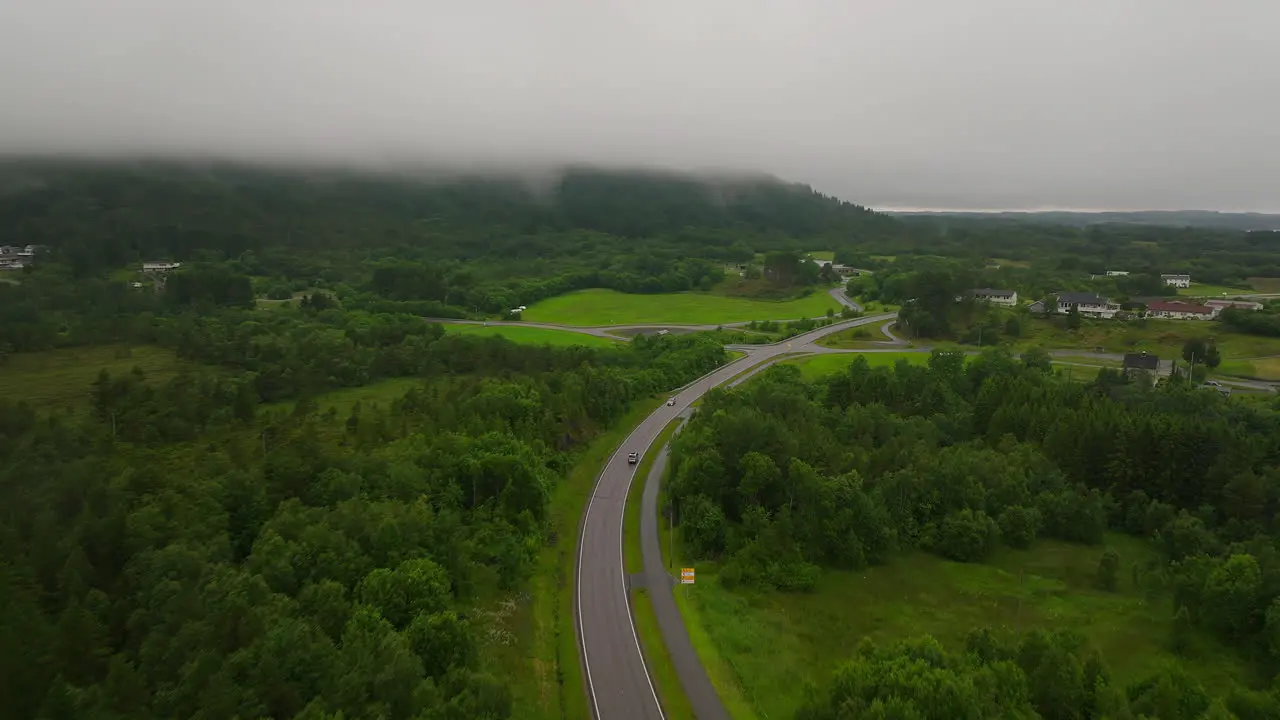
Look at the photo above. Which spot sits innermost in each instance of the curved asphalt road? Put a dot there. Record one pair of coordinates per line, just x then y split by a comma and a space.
617, 682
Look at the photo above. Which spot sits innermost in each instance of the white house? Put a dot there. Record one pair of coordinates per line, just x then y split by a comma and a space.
160, 266
1117, 273
1175, 310
1008, 298
1087, 304
1178, 281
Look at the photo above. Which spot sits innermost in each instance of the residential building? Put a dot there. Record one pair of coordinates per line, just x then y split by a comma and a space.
1178, 281
1141, 361
12, 263
1221, 305
844, 270
1008, 298
1177, 310
1037, 308
1117, 273
1087, 304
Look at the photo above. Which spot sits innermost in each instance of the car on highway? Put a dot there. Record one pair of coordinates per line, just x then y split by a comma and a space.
671, 402
633, 458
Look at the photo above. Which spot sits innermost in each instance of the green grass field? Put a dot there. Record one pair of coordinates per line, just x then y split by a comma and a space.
533, 335
822, 255
1007, 262
60, 379
1049, 587
609, 307
1265, 284
1262, 368
1200, 290
816, 366
856, 337
1163, 337
381, 393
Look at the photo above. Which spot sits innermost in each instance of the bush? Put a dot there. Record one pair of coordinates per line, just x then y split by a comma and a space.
1019, 526
1109, 571
967, 536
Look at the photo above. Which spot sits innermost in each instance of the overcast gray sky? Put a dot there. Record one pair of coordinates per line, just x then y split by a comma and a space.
896, 103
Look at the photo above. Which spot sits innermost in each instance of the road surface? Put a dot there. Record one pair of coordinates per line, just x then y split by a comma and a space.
617, 681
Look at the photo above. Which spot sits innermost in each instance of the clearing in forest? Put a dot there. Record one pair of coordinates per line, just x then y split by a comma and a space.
62, 379
609, 307
1049, 587
533, 335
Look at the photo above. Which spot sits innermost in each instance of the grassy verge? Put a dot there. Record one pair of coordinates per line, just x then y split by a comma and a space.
1049, 586
665, 678
856, 337
632, 556
816, 366
1162, 337
608, 307
533, 335
546, 682
722, 675
61, 379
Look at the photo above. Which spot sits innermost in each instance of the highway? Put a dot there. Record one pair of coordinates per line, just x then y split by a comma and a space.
618, 684
617, 681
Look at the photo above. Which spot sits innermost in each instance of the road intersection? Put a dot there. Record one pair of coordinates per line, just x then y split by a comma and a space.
618, 683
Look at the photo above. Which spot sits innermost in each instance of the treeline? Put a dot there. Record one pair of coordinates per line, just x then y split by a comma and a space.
1042, 675
106, 215
782, 478
182, 552
1218, 256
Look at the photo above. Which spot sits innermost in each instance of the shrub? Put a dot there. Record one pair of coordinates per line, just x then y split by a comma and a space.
967, 536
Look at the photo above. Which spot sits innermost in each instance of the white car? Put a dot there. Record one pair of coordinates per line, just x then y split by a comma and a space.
633, 458
671, 402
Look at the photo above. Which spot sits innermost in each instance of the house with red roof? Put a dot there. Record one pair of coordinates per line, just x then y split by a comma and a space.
1178, 310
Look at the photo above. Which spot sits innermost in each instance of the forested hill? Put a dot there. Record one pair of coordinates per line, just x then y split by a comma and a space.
113, 213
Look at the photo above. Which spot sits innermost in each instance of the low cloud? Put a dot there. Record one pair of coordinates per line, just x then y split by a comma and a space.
985, 103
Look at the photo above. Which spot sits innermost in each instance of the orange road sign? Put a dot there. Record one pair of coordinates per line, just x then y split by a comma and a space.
686, 576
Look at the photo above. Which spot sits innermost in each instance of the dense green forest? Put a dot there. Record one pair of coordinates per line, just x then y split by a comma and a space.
216, 544
782, 478
180, 551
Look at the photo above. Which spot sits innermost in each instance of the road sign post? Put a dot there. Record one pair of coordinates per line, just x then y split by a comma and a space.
686, 576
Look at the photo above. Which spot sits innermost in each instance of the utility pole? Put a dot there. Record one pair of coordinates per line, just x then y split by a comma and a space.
671, 536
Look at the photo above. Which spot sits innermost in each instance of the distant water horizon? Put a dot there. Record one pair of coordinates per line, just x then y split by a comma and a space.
1091, 211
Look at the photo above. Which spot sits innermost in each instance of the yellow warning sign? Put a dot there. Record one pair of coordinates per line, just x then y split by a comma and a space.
686, 576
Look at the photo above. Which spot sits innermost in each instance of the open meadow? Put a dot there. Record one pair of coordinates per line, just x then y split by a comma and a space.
1162, 337
532, 335
61, 379
816, 366
609, 307
1211, 292
1049, 587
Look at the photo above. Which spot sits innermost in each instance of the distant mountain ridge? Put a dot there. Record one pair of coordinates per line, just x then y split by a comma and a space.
1165, 218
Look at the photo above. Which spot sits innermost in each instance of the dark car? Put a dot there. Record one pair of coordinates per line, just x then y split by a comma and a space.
633, 458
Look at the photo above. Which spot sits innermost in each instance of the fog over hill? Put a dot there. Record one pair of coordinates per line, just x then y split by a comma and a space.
988, 103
